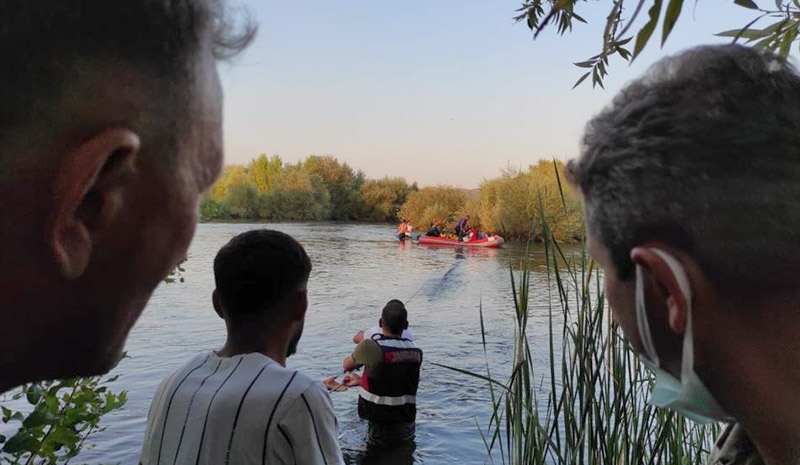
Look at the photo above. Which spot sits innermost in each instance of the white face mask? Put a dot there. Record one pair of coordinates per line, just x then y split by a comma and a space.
687, 396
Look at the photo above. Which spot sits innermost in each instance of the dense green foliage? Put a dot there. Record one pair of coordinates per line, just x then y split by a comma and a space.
781, 32
59, 417
317, 188
505, 205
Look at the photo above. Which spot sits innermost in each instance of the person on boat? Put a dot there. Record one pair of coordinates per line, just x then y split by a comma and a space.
472, 235
434, 230
387, 398
461, 227
241, 403
402, 230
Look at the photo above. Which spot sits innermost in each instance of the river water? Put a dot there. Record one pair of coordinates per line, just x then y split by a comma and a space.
357, 269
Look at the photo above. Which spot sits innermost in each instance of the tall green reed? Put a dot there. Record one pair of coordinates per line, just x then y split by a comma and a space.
588, 406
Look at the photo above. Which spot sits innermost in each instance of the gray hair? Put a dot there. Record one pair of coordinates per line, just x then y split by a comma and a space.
703, 154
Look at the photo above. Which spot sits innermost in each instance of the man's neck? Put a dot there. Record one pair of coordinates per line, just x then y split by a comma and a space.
387, 333
766, 397
272, 347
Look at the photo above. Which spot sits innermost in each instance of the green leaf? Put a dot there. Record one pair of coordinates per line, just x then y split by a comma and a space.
747, 4
20, 443
670, 18
644, 34
35, 419
582, 78
33, 394
6, 412
749, 34
585, 64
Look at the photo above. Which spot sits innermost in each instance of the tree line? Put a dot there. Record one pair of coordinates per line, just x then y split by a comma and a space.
317, 188
321, 188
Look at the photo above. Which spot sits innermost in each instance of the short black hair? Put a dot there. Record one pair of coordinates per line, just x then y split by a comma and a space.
395, 316
258, 269
702, 154
46, 47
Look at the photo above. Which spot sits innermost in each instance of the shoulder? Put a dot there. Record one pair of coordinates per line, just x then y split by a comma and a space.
277, 380
312, 400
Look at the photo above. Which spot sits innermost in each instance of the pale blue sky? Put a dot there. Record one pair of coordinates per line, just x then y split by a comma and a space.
436, 91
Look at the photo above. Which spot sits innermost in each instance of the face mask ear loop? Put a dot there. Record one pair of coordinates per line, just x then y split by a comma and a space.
641, 319
687, 357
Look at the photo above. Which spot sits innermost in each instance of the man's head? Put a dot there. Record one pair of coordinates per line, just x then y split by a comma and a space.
110, 132
700, 158
394, 318
261, 279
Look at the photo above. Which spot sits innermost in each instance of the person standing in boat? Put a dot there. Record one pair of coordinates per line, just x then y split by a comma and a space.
461, 227
391, 376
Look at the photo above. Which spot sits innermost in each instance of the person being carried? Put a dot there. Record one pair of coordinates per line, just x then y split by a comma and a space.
241, 404
388, 395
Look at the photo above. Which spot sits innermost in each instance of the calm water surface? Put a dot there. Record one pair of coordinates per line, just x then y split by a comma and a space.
357, 269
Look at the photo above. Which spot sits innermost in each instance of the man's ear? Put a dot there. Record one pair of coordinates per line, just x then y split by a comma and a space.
302, 300
216, 299
380, 323
677, 303
88, 195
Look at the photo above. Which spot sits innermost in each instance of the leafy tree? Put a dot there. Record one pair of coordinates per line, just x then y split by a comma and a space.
774, 29
509, 204
232, 175
429, 204
300, 195
264, 172
383, 198
242, 201
342, 182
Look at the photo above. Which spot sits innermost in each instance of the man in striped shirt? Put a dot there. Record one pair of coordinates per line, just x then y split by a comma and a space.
240, 404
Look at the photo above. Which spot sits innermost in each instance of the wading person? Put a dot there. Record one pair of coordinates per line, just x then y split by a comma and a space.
241, 404
387, 398
110, 131
691, 182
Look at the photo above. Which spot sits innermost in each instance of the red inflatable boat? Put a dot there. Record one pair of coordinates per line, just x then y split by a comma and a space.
491, 242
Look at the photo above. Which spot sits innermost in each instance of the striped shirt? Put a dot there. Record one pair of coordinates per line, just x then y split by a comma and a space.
245, 409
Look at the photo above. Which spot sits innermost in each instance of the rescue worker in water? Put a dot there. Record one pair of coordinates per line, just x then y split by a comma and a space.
391, 374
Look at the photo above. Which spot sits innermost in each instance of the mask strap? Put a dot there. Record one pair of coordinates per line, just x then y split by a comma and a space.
687, 364
641, 319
